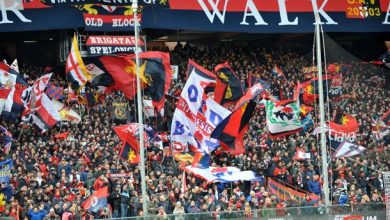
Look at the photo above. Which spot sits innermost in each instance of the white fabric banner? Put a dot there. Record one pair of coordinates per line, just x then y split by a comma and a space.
222, 174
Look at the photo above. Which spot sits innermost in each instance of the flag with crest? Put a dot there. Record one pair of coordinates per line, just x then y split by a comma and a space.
282, 120
228, 87
76, 71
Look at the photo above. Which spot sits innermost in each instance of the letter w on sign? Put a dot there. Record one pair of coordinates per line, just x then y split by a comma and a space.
214, 9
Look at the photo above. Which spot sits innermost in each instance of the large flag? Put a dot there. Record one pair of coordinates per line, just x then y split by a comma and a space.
7, 84
122, 71
39, 108
230, 132
97, 200
157, 75
221, 174
46, 115
196, 114
347, 149
66, 113
228, 88
76, 71
13, 87
282, 120
36, 92
336, 68
288, 194
343, 128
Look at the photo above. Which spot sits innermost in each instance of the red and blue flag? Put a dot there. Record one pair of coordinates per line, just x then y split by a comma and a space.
97, 200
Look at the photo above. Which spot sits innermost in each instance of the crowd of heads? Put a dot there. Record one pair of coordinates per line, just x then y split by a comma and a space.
52, 177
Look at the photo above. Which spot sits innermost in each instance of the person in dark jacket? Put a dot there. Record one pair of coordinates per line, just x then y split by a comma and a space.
124, 200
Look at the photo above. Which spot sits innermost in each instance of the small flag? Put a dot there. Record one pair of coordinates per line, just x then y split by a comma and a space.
301, 155
183, 183
347, 149
63, 135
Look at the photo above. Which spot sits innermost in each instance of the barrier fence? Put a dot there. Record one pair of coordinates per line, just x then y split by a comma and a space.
372, 211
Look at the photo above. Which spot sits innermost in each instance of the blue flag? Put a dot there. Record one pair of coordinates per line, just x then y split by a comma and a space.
5, 170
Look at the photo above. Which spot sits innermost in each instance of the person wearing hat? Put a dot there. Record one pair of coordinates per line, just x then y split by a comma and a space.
178, 211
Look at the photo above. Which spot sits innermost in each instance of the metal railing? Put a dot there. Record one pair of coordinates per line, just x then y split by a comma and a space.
372, 211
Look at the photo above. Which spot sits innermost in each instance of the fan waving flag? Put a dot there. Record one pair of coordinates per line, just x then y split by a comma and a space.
76, 72
347, 149
97, 200
282, 120
228, 88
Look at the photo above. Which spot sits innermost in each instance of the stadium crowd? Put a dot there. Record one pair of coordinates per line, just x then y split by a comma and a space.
52, 177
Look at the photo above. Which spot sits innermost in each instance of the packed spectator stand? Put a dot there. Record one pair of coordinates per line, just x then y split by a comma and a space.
52, 177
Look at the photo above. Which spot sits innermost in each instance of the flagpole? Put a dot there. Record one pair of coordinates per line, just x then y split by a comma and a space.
139, 110
324, 156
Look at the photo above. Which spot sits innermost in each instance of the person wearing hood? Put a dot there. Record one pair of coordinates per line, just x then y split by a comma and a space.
178, 211
343, 199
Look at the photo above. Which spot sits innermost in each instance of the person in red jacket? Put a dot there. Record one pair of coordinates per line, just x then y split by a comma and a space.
100, 182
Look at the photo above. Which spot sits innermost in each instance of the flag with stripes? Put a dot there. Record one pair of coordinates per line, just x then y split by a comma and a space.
76, 71
348, 149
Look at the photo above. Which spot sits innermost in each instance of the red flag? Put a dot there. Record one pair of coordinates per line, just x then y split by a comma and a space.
63, 135
121, 70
